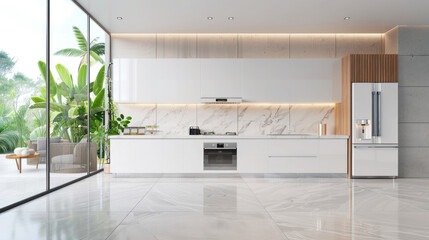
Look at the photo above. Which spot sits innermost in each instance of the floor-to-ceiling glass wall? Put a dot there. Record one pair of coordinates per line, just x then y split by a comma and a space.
22, 97
70, 136
68, 93
99, 64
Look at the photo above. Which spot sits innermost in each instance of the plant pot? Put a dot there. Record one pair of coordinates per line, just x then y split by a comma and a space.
107, 168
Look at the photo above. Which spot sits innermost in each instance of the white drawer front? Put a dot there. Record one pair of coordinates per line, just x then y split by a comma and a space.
293, 164
292, 147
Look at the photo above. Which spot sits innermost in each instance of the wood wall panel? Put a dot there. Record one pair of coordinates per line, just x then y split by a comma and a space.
312, 46
263, 45
358, 44
134, 45
343, 114
374, 68
176, 45
217, 45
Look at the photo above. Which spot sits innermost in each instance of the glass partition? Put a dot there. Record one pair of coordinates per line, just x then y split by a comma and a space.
68, 93
22, 100
98, 94
68, 140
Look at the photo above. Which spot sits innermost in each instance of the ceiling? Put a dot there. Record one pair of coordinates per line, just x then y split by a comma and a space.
256, 16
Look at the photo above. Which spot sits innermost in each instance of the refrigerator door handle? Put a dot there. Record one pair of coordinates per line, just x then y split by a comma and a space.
374, 113
378, 114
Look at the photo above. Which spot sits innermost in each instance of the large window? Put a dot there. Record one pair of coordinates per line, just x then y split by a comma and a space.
69, 138
22, 46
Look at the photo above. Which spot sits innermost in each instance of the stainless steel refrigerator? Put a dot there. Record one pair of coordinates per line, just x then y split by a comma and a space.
374, 130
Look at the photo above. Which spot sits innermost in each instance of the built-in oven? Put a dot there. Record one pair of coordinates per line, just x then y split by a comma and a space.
220, 156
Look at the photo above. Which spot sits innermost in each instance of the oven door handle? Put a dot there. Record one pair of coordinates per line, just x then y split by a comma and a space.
220, 148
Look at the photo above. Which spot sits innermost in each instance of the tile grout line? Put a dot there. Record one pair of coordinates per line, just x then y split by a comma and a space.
272, 219
157, 181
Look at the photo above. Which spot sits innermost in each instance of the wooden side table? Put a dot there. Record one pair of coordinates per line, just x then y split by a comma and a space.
20, 157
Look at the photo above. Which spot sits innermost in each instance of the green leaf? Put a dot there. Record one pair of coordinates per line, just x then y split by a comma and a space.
43, 91
97, 110
80, 97
80, 38
96, 57
53, 85
99, 81
129, 118
98, 101
98, 48
71, 112
63, 89
64, 75
53, 106
122, 116
70, 52
81, 78
38, 99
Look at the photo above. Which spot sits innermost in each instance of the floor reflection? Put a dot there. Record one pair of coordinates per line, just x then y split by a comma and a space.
105, 207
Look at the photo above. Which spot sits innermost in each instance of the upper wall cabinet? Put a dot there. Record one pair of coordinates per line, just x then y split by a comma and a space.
290, 80
134, 80
156, 81
254, 80
178, 81
221, 78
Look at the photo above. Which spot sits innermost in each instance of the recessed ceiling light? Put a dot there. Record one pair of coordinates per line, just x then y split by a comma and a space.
347, 18
119, 18
230, 18
209, 18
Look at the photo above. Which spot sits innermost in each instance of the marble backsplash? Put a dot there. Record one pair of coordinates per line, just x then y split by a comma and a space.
245, 119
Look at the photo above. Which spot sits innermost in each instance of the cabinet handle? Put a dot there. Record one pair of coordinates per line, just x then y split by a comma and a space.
289, 156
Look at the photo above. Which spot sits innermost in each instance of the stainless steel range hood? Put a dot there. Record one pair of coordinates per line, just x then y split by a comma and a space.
232, 100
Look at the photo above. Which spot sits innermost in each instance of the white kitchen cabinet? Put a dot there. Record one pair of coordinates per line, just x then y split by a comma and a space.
252, 156
307, 156
134, 80
254, 80
332, 156
130, 156
293, 156
156, 81
172, 156
297, 156
221, 78
193, 156
178, 81
289, 80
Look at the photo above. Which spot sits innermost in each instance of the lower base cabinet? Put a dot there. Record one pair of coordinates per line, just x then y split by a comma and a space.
253, 155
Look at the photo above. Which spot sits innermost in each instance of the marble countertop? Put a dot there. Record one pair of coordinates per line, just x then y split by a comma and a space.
291, 136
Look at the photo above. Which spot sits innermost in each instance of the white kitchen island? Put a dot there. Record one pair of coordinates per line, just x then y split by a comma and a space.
277, 154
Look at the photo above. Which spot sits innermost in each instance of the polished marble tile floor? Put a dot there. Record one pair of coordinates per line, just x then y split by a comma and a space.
30, 182
107, 207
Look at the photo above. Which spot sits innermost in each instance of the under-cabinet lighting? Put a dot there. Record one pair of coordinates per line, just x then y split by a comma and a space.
209, 18
347, 18
120, 18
